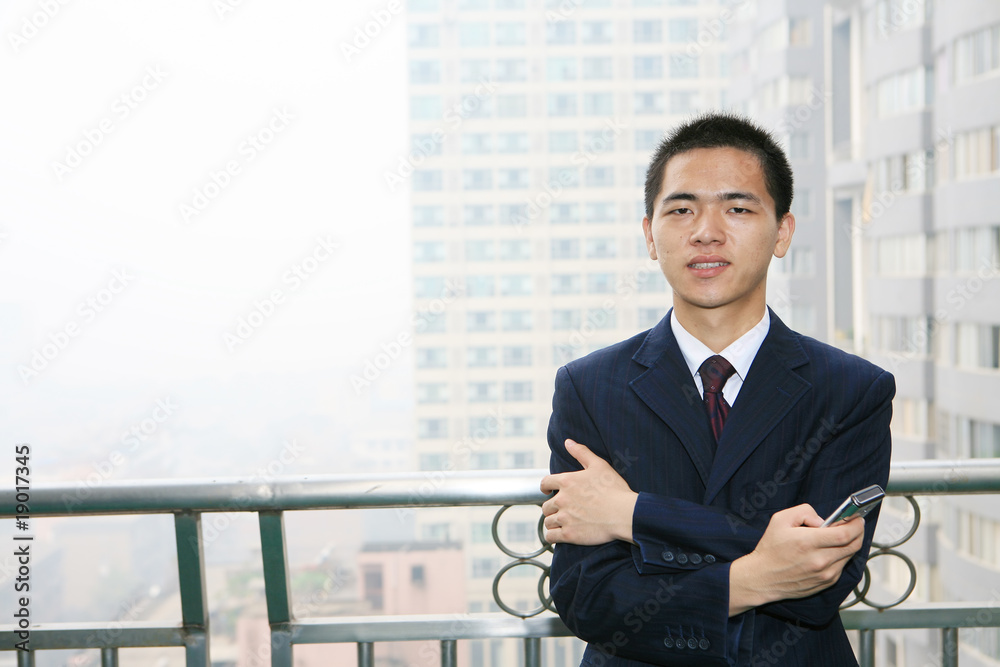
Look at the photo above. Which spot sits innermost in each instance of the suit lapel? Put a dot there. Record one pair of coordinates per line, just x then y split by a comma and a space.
668, 388
770, 391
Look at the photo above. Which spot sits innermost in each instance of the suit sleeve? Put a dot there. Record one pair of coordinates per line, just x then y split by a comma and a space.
855, 454
676, 618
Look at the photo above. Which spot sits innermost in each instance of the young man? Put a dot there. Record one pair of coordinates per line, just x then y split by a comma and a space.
689, 490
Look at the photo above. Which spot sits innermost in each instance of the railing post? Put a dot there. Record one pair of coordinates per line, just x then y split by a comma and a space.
532, 652
867, 648
25, 658
191, 578
366, 654
449, 653
109, 657
274, 555
949, 647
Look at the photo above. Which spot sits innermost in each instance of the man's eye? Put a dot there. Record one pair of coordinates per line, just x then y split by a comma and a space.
739, 209
677, 211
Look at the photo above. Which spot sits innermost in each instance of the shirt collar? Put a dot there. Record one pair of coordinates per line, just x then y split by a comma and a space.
740, 353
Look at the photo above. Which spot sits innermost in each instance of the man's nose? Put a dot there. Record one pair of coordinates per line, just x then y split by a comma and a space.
709, 227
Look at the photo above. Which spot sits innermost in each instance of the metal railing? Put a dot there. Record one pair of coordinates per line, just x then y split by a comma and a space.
187, 500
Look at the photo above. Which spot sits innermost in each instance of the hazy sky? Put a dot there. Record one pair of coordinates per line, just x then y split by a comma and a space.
168, 168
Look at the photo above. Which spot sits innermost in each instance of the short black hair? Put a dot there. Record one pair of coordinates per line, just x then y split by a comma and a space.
717, 129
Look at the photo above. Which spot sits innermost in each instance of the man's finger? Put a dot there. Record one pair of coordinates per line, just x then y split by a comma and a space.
582, 453
549, 483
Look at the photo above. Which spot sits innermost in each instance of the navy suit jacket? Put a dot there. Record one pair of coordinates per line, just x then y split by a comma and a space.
810, 425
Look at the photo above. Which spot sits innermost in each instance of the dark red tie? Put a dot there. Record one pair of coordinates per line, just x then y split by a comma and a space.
714, 373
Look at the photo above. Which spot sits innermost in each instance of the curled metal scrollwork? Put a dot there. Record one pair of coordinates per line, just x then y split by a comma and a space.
526, 559
888, 549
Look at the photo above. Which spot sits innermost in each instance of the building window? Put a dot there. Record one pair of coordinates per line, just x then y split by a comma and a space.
432, 428
417, 576
599, 177
478, 321
597, 32
480, 357
649, 317
478, 143
515, 250
473, 69
424, 36
684, 68
563, 142
517, 355
427, 180
598, 104
477, 215
647, 140
485, 568
512, 179
977, 54
512, 69
477, 179
565, 213
511, 33
599, 211
567, 177
647, 32
517, 391
479, 251
560, 69
474, 34
598, 141
483, 427
601, 248
514, 214
482, 392
598, 69
680, 31
516, 285
428, 287
517, 320
374, 592
512, 106
600, 283
565, 248
564, 319
432, 357
648, 103
477, 286
904, 92
512, 142
425, 71
562, 104
432, 392
565, 284
560, 32
647, 67
429, 251
428, 216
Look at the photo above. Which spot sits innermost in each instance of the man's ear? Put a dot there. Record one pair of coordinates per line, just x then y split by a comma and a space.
647, 231
786, 228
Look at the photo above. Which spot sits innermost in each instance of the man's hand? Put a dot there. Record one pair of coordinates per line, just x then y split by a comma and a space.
795, 558
592, 506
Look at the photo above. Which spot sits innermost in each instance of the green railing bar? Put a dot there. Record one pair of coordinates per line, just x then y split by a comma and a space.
927, 615
191, 580
274, 553
405, 490
109, 657
449, 653
371, 629
127, 634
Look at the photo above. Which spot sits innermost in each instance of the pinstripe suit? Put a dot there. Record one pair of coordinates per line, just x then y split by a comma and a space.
810, 425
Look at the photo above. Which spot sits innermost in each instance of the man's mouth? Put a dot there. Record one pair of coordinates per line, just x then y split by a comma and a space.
708, 265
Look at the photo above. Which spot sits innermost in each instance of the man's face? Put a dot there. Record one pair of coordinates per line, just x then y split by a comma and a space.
714, 229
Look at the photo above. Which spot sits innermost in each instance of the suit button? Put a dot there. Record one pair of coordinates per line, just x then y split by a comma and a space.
668, 556
696, 559
704, 644
692, 643
682, 559
709, 558
668, 642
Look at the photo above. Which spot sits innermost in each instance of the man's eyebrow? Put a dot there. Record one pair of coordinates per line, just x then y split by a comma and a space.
722, 196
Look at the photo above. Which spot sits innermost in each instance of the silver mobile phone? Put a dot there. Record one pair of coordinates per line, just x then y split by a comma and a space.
859, 503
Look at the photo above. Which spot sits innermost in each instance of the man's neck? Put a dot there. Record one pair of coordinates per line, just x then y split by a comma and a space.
718, 328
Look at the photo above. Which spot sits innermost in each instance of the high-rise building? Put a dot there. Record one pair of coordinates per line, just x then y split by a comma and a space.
913, 144
532, 124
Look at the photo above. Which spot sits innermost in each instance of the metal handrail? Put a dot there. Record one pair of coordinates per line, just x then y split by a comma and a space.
270, 498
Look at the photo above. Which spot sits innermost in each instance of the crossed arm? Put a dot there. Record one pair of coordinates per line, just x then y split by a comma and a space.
792, 560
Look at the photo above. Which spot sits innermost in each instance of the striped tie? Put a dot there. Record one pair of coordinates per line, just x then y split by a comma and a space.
714, 373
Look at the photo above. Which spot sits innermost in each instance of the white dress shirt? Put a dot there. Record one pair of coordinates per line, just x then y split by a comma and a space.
740, 354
